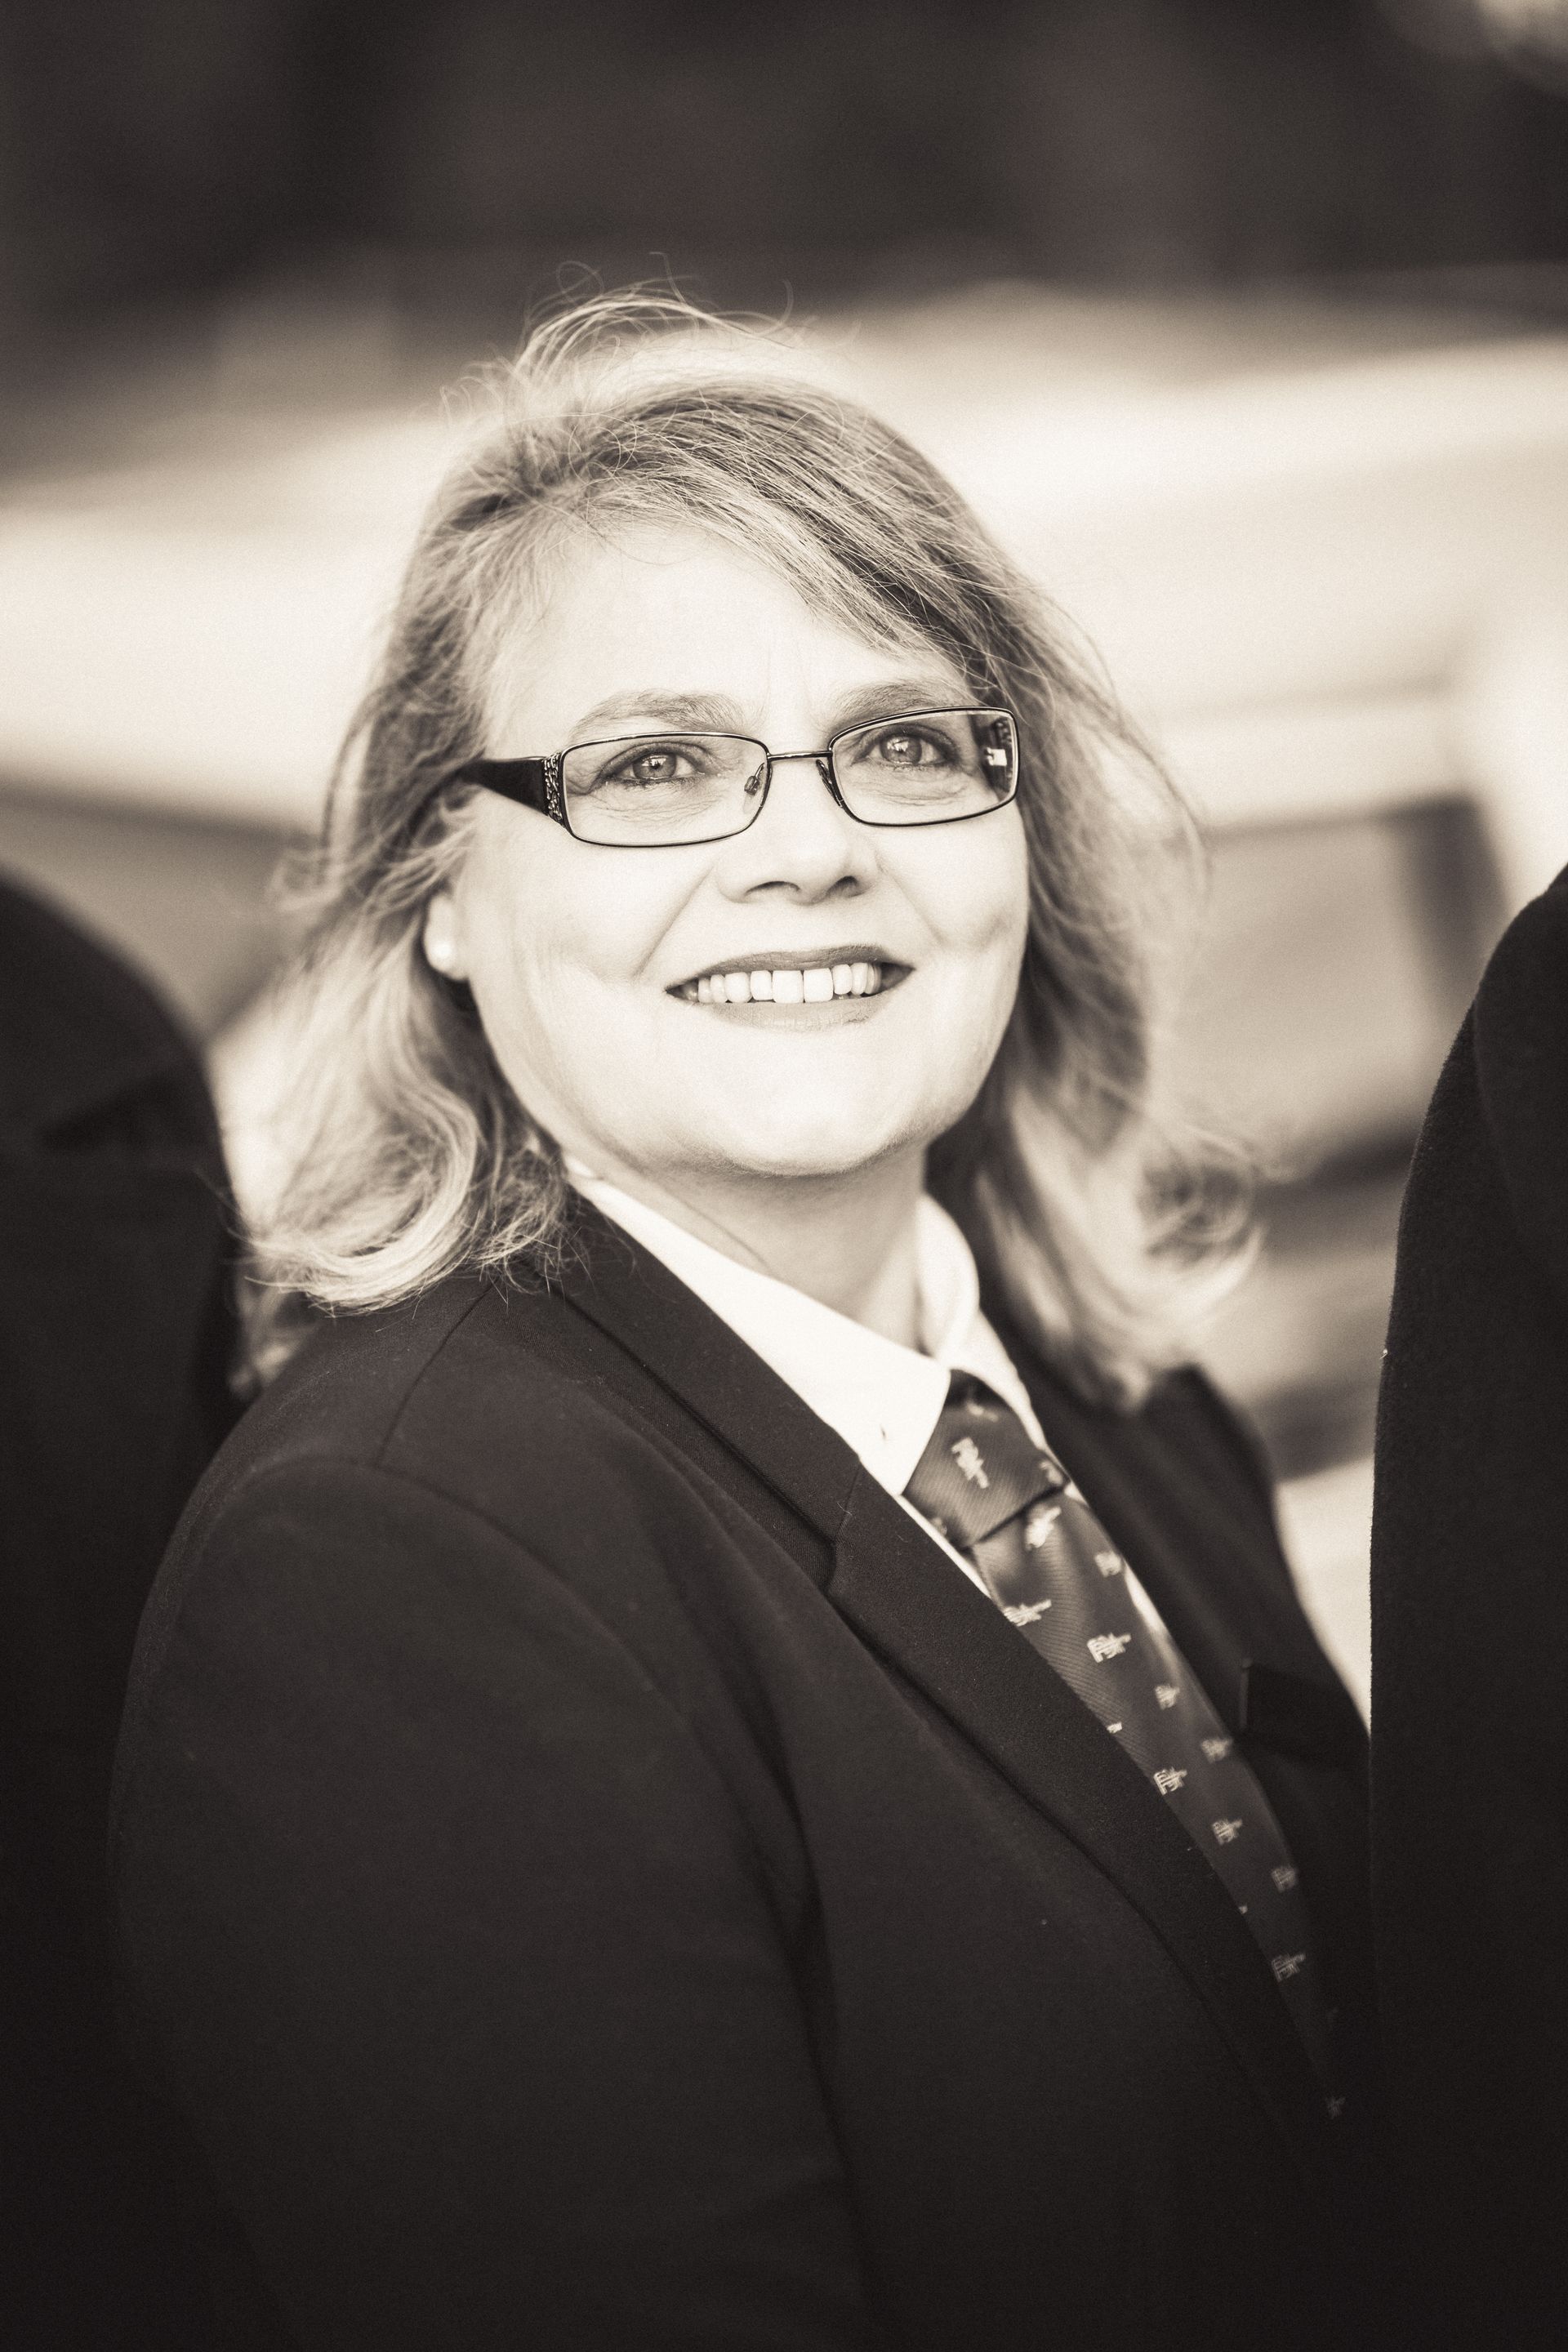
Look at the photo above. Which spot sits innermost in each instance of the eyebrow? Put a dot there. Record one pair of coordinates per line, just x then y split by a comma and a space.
892, 698
713, 710
899, 697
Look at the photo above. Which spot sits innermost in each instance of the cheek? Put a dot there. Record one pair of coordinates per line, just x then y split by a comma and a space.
553, 938
975, 894
518, 924
540, 919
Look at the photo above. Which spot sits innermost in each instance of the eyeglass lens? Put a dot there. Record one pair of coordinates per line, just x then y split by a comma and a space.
655, 790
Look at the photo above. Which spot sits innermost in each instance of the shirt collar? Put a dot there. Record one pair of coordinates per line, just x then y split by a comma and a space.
883, 1399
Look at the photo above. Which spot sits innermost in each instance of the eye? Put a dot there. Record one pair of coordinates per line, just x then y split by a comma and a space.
912, 747
653, 763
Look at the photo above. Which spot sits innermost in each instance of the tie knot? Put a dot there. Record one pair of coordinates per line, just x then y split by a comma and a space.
980, 1467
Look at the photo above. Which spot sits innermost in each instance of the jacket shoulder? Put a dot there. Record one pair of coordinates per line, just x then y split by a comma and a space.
1518, 1039
1188, 1404
82, 1030
342, 1393
1521, 1006
1184, 1424
488, 1398
1214, 1457
461, 1466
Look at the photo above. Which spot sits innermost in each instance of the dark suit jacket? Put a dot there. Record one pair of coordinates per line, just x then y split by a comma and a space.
1470, 1661
592, 1872
116, 1332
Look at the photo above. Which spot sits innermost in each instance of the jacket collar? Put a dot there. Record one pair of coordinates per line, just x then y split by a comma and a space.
695, 1356
907, 1601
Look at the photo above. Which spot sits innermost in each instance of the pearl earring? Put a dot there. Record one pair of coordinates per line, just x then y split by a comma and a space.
438, 954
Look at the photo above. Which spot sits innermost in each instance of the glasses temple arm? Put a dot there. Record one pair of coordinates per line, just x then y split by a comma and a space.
531, 784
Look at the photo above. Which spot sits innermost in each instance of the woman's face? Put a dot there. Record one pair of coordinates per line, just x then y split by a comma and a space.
583, 958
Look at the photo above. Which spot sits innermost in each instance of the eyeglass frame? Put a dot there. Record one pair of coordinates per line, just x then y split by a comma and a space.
535, 783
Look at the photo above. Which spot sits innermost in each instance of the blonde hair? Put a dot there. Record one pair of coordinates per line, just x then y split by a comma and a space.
406, 1154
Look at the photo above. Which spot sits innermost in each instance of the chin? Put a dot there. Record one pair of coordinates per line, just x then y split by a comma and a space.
798, 1123
817, 1145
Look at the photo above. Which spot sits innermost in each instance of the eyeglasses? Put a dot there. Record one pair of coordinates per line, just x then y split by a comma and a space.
675, 788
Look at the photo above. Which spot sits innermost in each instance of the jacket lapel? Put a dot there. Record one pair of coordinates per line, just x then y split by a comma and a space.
710, 1373
906, 1600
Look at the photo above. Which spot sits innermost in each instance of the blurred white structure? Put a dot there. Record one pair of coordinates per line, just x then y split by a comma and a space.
1326, 1520
1338, 585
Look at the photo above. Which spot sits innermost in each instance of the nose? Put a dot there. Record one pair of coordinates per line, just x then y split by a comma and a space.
803, 845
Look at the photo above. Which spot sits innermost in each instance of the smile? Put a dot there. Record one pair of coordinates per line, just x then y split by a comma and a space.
770, 981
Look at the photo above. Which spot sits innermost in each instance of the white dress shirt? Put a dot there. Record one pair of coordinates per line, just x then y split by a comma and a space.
884, 1400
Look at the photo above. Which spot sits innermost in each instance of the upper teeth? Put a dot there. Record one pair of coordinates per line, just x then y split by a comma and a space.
815, 985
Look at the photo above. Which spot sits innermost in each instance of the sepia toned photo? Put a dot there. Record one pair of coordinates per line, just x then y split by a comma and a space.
783, 1253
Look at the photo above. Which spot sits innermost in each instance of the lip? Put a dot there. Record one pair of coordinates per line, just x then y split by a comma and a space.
797, 959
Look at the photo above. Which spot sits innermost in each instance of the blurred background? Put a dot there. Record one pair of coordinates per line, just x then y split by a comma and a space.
1246, 326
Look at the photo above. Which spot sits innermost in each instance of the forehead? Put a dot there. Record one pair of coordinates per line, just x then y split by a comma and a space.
666, 611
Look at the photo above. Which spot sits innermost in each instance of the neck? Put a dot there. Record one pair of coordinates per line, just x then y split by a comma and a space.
846, 1241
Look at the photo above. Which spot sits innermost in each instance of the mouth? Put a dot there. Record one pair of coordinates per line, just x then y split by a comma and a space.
793, 978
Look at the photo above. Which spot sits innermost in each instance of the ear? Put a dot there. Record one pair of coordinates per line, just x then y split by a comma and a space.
442, 938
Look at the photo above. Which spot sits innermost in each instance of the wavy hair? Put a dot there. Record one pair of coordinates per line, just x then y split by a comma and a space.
404, 1155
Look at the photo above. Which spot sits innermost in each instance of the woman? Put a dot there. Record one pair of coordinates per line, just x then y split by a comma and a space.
686, 1785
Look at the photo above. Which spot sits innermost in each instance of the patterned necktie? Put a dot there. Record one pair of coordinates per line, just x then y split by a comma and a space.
1055, 1574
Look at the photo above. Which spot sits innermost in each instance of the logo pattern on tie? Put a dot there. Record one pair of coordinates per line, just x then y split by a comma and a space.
970, 1461
1048, 1565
